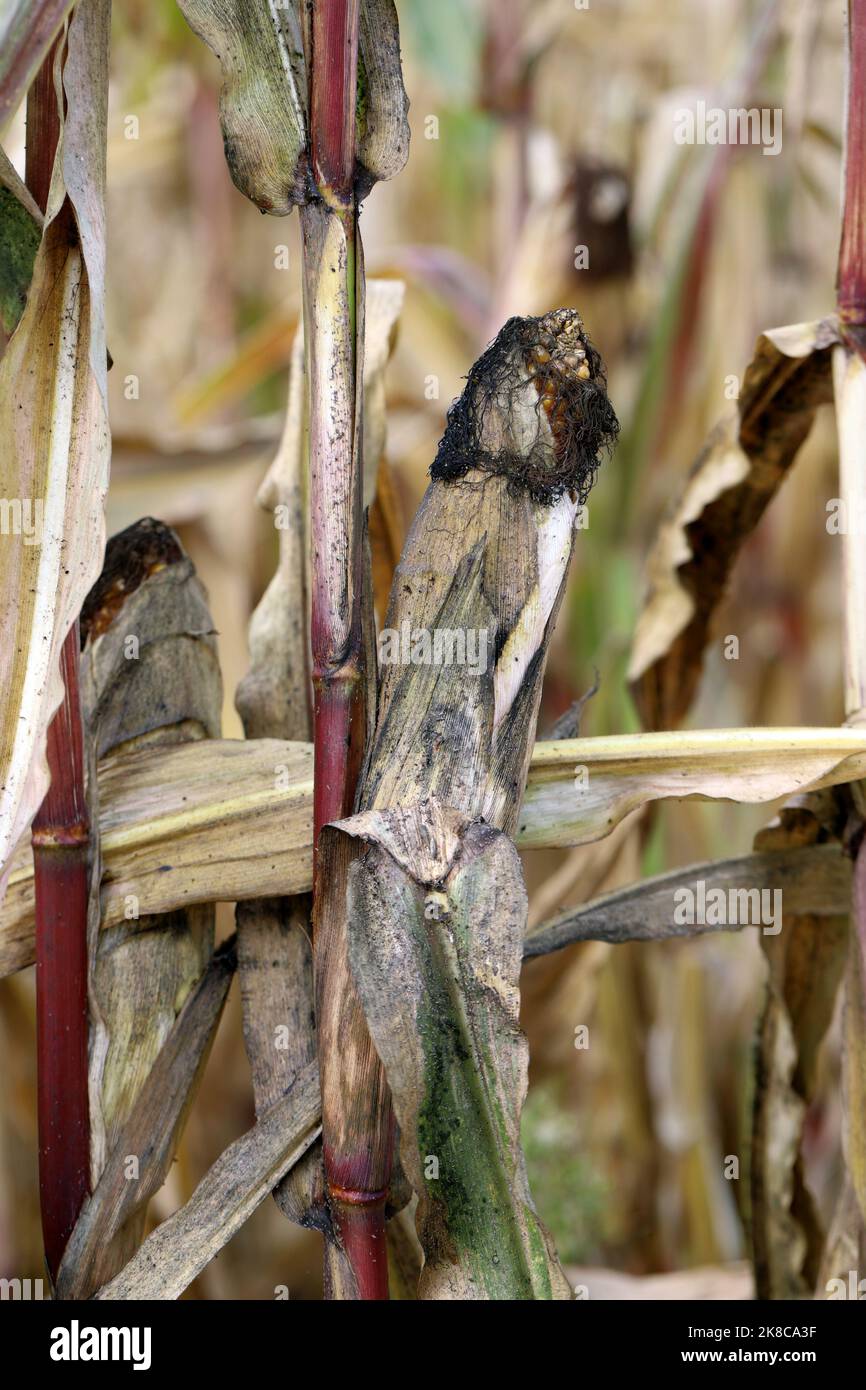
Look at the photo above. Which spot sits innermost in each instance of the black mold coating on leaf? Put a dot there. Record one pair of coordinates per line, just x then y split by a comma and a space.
576, 421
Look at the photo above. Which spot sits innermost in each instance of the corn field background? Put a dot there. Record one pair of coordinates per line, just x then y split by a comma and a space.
694, 1125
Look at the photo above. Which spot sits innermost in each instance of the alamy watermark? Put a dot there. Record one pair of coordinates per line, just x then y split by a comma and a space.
845, 518
712, 125
439, 646
22, 516
729, 907
22, 1290
77, 1343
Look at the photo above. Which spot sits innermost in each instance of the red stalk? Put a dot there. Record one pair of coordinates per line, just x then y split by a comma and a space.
358, 1170
851, 284
61, 837
332, 95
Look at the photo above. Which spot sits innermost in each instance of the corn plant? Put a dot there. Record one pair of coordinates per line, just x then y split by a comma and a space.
367, 827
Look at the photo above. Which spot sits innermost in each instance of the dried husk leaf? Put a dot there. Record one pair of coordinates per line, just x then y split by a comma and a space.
54, 422
743, 463
439, 989
486, 560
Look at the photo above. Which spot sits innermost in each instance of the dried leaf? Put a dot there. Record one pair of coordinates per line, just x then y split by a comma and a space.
814, 880
228, 820
27, 30
276, 977
734, 479
150, 1135
263, 102
54, 465
805, 961
382, 113
226, 1197
579, 790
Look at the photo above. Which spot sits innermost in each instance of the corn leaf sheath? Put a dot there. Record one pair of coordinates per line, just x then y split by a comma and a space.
431, 900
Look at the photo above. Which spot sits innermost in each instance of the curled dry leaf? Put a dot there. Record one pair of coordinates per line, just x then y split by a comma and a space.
805, 963
53, 419
723, 499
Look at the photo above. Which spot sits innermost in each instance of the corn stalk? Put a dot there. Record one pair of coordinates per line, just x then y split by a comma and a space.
54, 466
61, 856
295, 137
357, 1159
